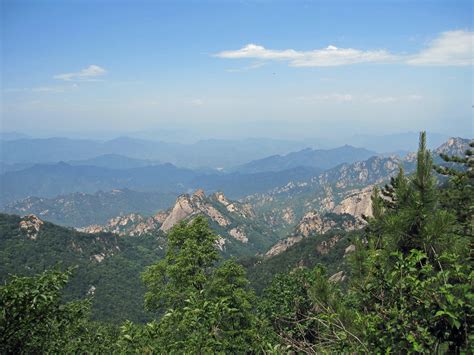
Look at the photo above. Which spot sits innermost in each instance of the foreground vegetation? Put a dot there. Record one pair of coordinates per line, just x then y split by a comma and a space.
408, 289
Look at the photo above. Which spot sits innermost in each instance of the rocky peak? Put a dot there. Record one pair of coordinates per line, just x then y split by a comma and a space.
160, 216
182, 209
453, 146
220, 197
31, 225
132, 224
187, 206
245, 210
199, 195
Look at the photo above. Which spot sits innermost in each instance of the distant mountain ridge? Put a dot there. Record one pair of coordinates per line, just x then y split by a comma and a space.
320, 158
49, 180
115, 161
208, 153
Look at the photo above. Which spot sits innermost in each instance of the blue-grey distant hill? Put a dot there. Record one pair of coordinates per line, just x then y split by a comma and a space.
213, 153
311, 158
50, 180
114, 161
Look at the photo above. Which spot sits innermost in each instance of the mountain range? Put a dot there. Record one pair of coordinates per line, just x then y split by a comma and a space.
312, 158
300, 223
207, 153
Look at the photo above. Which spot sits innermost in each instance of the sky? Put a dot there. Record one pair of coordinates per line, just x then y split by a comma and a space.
233, 69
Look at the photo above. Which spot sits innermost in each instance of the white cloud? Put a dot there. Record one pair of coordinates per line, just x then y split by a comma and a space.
329, 56
86, 74
259, 52
454, 48
333, 56
450, 48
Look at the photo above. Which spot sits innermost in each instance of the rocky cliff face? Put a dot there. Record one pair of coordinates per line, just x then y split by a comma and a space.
131, 225
357, 204
344, 189
187, 206
234, 222
454, 146
31, 225
314, 223
226, 214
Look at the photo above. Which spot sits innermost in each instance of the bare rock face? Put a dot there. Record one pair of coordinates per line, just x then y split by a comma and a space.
244, 210
314, 223
187, 206
288, 215
454, 146
182, 209
160, 216
325, 246
350, 249
238, 234
32, 225
338, 277
132, 225
282, 245
357, 204
215, 215
220, 243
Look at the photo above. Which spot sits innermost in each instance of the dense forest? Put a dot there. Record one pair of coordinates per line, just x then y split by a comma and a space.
405, 287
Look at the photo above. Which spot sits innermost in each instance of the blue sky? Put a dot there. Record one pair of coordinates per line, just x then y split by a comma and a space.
237, 68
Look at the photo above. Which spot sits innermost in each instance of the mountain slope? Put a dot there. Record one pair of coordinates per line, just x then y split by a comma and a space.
345, 189
328, 249
241, 233
79, 209
108, 267
323, 192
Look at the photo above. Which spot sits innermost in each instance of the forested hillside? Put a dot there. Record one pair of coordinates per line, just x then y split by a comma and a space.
106, 267
80, 209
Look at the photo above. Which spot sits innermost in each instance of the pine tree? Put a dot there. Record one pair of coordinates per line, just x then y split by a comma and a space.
459, 194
